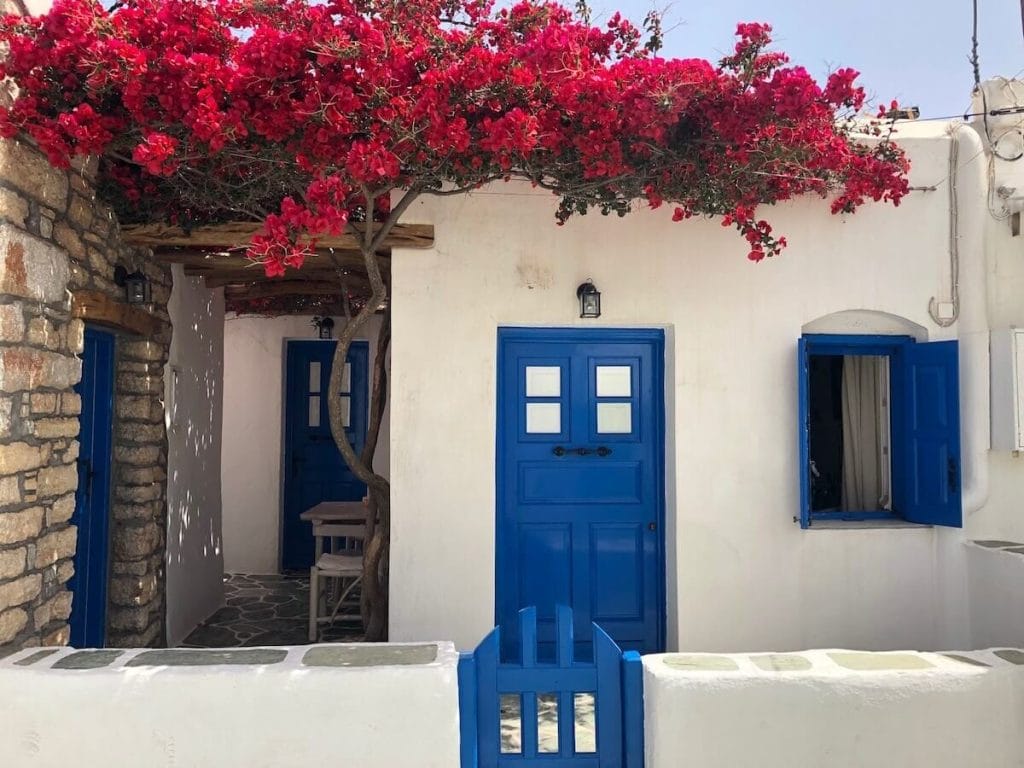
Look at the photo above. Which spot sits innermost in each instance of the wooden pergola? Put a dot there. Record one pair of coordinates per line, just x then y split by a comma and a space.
217, 254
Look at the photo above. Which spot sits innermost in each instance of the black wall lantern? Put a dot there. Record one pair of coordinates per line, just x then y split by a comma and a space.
590, 299
324, 326
137, 289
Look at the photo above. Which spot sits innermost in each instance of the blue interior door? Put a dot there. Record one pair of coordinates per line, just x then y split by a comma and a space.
92, 501
314, 469
580, 481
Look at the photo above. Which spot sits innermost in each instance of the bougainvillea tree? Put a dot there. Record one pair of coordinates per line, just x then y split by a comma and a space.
311, 118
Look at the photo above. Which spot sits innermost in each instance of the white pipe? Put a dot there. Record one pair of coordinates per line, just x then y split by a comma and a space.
973, 331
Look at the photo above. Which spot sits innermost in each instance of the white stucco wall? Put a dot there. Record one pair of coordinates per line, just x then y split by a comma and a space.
254, 363
195, 559
281, 714
815, 710
740, 574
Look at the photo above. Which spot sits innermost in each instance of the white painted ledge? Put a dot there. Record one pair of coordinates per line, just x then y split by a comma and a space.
841, 709
379, 711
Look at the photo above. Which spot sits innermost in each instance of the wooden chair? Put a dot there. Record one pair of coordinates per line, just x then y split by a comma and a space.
343, 563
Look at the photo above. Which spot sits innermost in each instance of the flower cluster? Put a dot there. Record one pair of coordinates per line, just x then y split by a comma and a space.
299, 114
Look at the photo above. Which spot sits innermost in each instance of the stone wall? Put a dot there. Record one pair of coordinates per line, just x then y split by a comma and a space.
55, 239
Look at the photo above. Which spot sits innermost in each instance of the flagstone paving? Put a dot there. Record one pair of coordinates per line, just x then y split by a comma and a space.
265, 610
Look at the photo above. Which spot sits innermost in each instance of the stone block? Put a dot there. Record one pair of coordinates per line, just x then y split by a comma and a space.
143, 350
23, 368
11, 623
142, 475
130, 591
134, 432
16, 527
60, 636
65, 571
138, 456
134, 568
56, 481
136, 541
76, 336
129, 619
139, 408
20, 591
81, 212
133, 384
69, 241
61, 510
10, 493
56, 546
12, 322
13, 207
41, 333
71, 453
18, 457
53, 428
43, 402
28, 170
145, 639
6, 409
12, 563
138, 494
57, 608
71, 404
31, 267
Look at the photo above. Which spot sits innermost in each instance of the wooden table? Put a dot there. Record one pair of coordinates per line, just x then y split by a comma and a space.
332, 519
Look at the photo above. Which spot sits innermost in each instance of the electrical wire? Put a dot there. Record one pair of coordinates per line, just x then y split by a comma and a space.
954, 237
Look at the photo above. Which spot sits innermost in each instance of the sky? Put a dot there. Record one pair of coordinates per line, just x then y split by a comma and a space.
914, 51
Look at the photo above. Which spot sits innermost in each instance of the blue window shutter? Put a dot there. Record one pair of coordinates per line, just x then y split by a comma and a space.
927, 465
803, 377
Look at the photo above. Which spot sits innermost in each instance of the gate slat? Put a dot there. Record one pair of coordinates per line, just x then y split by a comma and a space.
609, 677
608, 659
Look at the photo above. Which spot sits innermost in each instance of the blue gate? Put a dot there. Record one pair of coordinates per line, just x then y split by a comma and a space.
563, 713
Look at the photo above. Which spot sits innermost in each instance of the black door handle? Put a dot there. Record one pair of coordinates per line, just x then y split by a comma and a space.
560, 450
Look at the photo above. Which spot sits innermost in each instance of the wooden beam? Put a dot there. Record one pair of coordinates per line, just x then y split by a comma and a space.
282, 288
96, 307
237, 234
191, 257
219, 277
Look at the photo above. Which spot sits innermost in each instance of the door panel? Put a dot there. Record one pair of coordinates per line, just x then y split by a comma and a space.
92, 500
580, 488
314, 469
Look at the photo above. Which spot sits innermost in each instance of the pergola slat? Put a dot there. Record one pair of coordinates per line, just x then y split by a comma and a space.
237, 234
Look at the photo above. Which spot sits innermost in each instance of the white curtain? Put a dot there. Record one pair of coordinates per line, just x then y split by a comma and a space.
865, 433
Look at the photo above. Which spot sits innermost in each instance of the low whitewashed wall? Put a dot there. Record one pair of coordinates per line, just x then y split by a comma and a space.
342, 705
841, 709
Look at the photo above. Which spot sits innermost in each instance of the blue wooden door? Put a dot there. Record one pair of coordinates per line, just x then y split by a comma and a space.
314, 469
580, 481
92, 501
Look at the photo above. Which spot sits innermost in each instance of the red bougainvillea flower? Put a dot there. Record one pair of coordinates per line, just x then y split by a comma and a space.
304, 115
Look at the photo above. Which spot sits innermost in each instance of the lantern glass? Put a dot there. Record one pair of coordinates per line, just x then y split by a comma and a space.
590, 300
136, 288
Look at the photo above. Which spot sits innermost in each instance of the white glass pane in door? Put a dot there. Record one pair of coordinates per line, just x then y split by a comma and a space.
314, 411
613, 381
346, 378
614, 418
314, 377
543, 418
543, 381
346, 411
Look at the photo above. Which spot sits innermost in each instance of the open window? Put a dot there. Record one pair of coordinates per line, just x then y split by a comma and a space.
879, 429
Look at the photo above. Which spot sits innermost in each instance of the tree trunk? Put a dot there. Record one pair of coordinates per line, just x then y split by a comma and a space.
377, 546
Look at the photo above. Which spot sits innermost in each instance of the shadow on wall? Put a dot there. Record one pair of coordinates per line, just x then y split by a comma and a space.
194, 396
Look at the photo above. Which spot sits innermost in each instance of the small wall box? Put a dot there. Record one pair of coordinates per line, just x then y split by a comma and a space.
1008, 389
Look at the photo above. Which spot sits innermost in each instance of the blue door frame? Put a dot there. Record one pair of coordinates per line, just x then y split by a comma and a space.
571, 502
92, 500
314, 469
